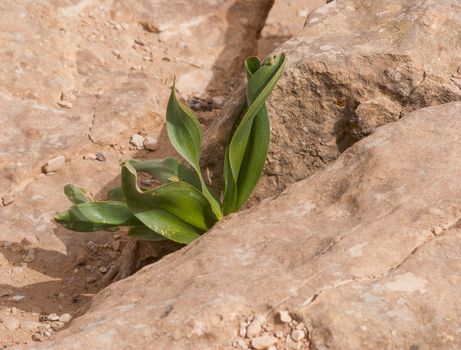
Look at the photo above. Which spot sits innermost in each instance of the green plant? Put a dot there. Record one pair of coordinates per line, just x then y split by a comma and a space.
183, 207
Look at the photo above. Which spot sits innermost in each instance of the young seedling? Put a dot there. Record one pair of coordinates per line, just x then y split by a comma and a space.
184, 207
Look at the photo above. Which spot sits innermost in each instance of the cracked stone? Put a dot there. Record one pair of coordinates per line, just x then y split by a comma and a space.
285, 316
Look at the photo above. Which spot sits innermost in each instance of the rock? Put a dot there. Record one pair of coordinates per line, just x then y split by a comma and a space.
65, 104
65, 318
38, 337
348, 72
100, 157
103, 269
92, 246
109, 276
91, 279
10, 322
150, 143
279, 334
242, 332
356, 236
291, 344
137, 141
16, 298
263, 342
285, 316
255, 326
57, 325
297, 335
115, 245
52, 317
7, 199
90, 156
54, 164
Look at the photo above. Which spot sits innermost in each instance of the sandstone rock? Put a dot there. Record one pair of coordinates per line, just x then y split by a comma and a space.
10, 322
357, 236
54, 164
150, 143
285, 316
255, 326
263, 342
354, 66
137, 141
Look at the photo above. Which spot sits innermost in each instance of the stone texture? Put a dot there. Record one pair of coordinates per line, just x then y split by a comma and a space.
80, 77
365, 254
356, 65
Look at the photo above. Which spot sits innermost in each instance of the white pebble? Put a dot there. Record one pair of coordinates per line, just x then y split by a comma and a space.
65, 318
137, 141
150, 143
263, 342
54, 164
285, 316
297, 335
52, 317
255, 326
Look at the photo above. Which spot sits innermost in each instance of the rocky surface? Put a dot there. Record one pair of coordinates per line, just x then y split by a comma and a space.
364, 254
77, 80
355, 66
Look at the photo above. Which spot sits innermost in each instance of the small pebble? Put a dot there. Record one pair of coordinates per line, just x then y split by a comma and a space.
52, 317
38, 337
115, 245
263, 342
65, 318
109, 275
255, 326
16, 297
91, 279
88, 267
100, 157
90, 156
57, 325
242, 332
116, 237
7, 199
285, 316
137, 141
272, 347
297, 335
54, 164
92, 246
65, 104
279, 334
150, 143
103, 269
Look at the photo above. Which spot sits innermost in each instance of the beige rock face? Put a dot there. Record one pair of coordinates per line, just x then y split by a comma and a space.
355, 66
365, 254
78, 78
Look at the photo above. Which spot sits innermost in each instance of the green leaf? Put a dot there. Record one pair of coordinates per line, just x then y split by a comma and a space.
95, 216
184, 133
115, 194
166, 170
175, 210
247, 150
146, 234
76, 194
183, 130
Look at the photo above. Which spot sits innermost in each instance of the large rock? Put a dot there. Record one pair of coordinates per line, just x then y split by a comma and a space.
365, 254
355, 66
79, 77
